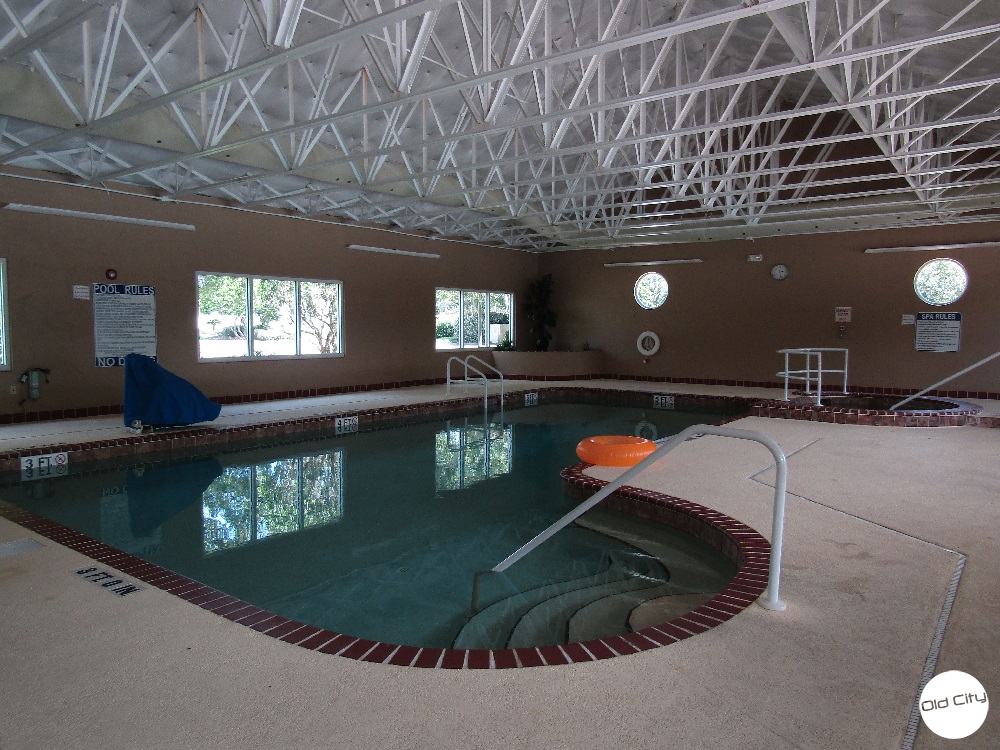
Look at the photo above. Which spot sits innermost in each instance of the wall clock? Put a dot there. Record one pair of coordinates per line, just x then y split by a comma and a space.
779, 271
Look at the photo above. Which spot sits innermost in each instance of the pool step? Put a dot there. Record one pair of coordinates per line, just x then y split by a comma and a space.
618, 599
548, 623
692, 582
677, 551
591, 621
491, 627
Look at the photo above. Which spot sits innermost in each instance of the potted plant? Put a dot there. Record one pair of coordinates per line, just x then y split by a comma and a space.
537, 308
505, 345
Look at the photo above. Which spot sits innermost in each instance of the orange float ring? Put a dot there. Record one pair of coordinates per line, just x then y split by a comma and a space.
614, 450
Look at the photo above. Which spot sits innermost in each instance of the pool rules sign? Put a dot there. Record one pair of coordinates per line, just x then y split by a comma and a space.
124, 322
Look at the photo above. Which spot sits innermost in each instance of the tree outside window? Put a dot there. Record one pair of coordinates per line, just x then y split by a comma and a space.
244, 316
940, 281
466, 319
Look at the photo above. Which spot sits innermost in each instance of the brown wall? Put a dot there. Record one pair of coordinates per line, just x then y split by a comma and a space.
725, 318
388, 305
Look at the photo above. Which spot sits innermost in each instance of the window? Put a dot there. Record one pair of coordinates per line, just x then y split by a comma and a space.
466, 319
4, 329
290, 317
651, 290
940, 281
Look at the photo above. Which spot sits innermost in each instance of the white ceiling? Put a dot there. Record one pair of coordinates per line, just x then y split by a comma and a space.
538, 124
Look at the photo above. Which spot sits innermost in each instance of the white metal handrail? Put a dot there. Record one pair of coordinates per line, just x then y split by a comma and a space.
810, 373
467, 367
908, 399
770, 598
486, 381
488, 366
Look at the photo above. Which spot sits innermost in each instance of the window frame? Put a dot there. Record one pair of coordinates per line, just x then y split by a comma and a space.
461, 320
638, 281
925, 264
250, 356
5, 363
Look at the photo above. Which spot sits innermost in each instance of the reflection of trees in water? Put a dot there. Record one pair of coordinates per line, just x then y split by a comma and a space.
469, 454
277, 497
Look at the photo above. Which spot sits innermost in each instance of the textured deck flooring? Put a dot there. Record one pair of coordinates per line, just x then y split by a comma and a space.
878, 520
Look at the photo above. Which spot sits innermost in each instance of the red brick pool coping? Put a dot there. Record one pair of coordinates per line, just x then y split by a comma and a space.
964, 415
194, 438
205, 437
744, 546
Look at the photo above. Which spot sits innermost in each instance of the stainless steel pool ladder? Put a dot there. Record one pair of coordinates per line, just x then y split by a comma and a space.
467, 367
769, 599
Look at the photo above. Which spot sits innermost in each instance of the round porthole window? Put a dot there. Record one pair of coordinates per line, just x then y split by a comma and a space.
651, 290
940, 281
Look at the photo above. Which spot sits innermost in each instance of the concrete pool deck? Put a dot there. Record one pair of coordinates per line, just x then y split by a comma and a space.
877, 523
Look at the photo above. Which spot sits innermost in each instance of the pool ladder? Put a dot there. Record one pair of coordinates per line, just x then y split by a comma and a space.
472, 368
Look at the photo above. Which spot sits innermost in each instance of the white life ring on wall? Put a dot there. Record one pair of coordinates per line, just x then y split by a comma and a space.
646, 430
648, 343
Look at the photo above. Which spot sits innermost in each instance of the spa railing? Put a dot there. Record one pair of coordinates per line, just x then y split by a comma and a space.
770, 598
812, 374
929, 388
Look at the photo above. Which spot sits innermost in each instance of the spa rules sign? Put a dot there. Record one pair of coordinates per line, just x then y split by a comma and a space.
124, 322
938, 332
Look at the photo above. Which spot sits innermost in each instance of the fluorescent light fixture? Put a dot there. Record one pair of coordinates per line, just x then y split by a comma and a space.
392, 251
921, 248
654, 263
99, 217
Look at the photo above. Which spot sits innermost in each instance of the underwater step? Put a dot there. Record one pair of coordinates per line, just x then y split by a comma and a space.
547, 623
682, 554
491, 627
592, 621
665, 609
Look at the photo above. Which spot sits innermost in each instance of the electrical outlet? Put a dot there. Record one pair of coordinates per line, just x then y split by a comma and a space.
13, 390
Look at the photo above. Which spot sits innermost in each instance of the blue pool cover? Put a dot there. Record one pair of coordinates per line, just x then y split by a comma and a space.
156, 397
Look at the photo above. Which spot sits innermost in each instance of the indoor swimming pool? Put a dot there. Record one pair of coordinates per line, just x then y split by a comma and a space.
386, 534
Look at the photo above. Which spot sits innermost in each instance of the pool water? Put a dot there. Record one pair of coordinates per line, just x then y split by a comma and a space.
385, 534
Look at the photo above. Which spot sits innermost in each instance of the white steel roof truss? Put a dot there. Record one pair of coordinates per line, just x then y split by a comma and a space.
677, 92
527, 122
